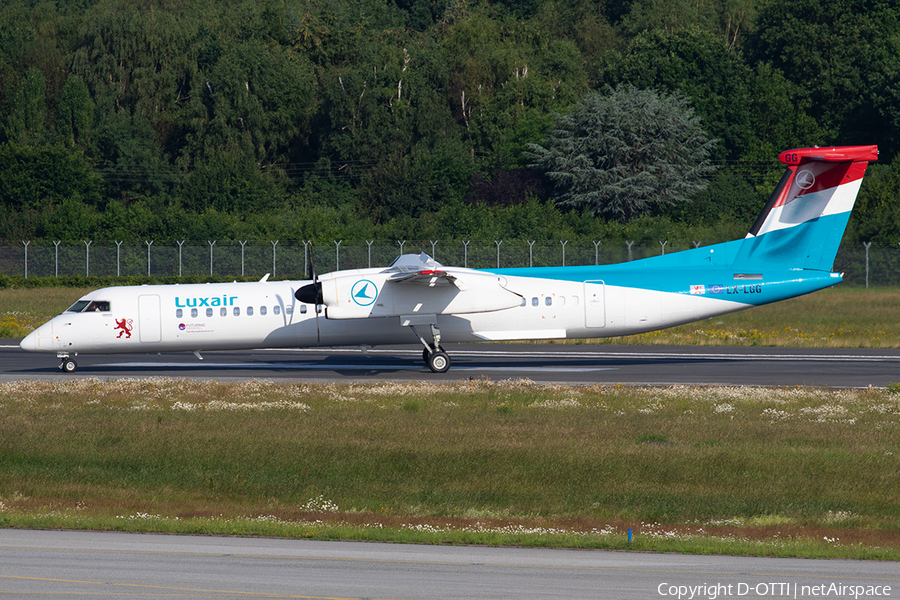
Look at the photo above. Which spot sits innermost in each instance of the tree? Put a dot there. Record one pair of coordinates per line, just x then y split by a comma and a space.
845, 56
625, 152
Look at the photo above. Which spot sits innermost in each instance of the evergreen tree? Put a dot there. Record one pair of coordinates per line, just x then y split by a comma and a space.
623, 153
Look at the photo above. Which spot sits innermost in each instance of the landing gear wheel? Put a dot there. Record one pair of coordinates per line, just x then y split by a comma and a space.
439, 362
427, 353
68, 365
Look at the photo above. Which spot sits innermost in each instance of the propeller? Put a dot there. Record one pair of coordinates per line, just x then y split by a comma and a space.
311, 293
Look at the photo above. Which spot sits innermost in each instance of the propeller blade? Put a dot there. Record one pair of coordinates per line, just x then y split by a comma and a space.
311, 293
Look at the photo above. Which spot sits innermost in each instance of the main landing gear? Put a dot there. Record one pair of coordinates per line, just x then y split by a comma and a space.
433, 355
68, 365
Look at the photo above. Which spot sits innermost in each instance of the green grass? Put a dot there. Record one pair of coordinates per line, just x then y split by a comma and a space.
744, 470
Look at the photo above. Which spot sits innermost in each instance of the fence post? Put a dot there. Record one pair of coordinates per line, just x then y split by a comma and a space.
211, 244
629, 244
466, 254
275, 243
118, 252
867, 244
244, 243
26, 257
87, 257
57, 257
563, 251
597, 251
337, 254
306, 244
369, 244
531, 253
401, 245
498, 252
696, 243
150, 243
180, 244
663, 245
433, 244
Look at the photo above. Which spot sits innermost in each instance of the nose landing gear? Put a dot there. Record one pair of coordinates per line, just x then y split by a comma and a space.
68, 365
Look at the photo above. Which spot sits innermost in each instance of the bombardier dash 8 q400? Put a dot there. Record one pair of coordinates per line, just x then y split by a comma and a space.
789, 251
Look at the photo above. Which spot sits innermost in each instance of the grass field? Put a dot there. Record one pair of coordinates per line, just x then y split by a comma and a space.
741, 470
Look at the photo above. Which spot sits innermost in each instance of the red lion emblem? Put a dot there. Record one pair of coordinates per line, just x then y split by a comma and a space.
125, 327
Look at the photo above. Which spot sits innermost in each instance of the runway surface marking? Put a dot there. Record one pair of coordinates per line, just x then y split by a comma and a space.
607, 354
339, 367
192, 591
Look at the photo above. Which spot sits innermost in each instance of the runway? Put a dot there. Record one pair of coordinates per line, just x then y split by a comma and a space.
63, 564
582, 364
90, 565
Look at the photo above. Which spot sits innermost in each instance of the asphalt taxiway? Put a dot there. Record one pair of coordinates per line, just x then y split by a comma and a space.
545, 363
93, 565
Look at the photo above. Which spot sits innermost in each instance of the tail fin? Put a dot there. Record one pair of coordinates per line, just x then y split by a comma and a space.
803, 222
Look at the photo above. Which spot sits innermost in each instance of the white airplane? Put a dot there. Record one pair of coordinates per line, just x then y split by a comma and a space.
789, 252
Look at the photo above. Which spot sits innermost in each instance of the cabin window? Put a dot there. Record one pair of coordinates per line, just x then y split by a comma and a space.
237, 311
574, 300
223, 312
276, 310
534, 301
262, 310
249, 311
524, 302
548, 301
288, 310
302, 309
179, 313
561, 300
209, 312
193, 313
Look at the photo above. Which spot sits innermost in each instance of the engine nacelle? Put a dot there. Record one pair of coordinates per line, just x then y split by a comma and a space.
375, 295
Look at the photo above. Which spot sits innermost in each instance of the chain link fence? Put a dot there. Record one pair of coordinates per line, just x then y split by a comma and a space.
862, 266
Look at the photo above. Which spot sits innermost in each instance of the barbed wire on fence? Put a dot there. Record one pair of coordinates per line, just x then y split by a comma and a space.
290, 260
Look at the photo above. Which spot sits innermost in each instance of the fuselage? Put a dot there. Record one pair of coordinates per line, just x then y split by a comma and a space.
552, 303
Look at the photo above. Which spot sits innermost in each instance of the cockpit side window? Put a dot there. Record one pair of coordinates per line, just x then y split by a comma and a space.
90, 306
78, 306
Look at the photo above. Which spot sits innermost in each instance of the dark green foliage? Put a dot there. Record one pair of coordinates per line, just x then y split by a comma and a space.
42, 178
360, 118
844, 56
623, 153
876, 217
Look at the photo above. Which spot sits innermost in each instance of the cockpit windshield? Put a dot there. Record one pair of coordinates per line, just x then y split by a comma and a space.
90, 306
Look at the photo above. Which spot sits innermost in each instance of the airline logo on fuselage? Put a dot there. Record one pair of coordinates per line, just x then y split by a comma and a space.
210, 301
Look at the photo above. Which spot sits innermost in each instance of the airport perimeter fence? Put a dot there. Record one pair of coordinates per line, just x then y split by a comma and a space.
864, 266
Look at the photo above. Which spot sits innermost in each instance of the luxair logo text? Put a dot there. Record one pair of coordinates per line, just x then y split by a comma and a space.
197, 302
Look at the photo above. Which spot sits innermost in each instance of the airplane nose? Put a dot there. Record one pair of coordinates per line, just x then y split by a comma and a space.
30, 342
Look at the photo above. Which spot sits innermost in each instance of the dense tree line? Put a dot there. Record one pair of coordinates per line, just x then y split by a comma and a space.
361, 119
